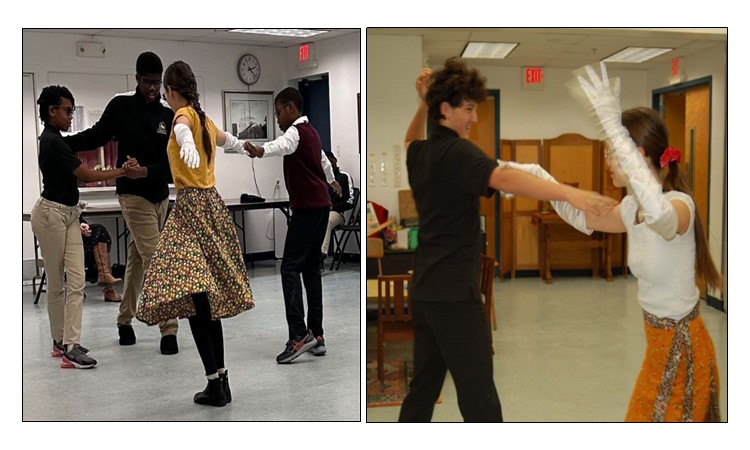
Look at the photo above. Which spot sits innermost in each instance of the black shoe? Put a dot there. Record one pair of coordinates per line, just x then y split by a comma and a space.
225, 385
127, 335
213, 394
58, 349
169, 344
296, 347
76, 359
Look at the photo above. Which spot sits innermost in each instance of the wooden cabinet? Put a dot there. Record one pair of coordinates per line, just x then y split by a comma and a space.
572, 159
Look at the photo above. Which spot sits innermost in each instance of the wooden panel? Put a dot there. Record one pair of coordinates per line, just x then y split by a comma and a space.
506, 219
407, 209
674, 118
527, 243
527, 151
483, 135
572, 158
611, 191
697, 107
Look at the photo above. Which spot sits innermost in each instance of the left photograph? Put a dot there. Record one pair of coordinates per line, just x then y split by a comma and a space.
191, 244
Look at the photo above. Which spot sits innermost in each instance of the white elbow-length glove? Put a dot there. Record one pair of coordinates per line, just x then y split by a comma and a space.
658, 212
234, 145
188, 152
567, 212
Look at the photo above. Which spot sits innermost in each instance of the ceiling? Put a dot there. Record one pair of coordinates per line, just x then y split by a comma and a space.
563, 47
203, 35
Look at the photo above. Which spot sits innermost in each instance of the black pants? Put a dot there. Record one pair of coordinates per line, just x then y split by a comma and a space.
452, 337
208, 334
304, 237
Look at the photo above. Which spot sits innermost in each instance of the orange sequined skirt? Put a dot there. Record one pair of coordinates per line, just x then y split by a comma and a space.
679, 379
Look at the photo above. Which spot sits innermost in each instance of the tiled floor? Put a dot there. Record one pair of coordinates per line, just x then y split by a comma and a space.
565, 352
138, 383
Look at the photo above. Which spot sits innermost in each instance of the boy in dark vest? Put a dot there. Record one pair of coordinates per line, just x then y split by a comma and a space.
307, 174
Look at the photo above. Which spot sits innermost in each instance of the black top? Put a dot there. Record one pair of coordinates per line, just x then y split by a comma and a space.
57, 163
447, 175
141, 130
345, 201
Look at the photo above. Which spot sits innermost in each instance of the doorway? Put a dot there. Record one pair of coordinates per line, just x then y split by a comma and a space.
686, 109
316, 106
486, 135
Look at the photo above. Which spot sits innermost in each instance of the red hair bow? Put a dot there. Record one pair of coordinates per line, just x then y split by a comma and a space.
669, 155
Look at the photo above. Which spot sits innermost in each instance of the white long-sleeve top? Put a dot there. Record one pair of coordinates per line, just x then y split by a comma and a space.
287, 143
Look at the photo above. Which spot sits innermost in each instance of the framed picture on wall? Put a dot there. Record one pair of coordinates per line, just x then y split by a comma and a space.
249, 115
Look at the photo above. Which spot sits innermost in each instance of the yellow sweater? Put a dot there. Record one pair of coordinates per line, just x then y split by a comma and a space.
203, 176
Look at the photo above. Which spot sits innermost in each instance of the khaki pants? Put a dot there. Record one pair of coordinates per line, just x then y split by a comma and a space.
334, 219
58, 230
145, 221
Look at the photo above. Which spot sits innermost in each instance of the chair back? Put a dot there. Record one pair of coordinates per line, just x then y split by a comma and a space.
485, 281
394, 304
354, 217
375, 250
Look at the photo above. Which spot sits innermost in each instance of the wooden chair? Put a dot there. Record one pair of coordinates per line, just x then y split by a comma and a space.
485, 284
375, 251
394, 314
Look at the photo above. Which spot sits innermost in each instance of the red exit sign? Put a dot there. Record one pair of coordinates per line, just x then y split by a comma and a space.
533, 78
304, 52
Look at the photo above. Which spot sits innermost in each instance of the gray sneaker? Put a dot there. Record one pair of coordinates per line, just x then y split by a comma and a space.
76, 358
319, 349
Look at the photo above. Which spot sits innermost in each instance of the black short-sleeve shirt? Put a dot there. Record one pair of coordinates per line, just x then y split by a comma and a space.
57, 163
447, 175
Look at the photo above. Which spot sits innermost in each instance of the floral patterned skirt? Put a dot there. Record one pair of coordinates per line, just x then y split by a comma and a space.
198, 251
679, 379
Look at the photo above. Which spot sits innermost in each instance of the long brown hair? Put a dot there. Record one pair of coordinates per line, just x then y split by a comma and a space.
647, 129
179, 76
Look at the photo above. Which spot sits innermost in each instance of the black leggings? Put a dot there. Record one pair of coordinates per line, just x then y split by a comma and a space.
208, 335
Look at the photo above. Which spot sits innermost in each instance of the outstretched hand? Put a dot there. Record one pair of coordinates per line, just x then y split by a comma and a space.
253, 151
591, 202
604, 98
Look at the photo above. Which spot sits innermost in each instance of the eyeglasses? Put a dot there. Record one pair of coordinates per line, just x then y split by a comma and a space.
68, 110
278, 111
151, 83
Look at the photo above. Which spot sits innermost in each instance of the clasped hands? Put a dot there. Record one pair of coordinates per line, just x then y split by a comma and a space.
253, 151
132, 169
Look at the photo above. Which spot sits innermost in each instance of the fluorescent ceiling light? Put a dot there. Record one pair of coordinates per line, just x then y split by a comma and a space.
288, 32
489, 50
636, 54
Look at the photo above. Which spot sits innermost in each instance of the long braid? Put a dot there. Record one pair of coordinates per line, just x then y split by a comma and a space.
180, 77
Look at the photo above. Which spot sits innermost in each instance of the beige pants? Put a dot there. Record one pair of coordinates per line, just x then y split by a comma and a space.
58, 230
334, 219
145, 221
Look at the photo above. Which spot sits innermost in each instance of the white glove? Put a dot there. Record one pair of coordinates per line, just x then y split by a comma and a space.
188, 152
234, 145
658, 212
567, 212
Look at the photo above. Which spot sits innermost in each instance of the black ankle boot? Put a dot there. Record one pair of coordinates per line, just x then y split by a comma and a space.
213, 394
225, 384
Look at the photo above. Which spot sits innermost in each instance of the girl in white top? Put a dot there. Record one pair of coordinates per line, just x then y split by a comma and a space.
667, 247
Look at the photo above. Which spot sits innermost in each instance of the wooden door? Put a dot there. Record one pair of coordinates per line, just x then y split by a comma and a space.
483, 135
507, 214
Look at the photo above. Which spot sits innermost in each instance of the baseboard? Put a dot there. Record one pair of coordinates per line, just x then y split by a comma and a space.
561, 273
260, 256
715, 302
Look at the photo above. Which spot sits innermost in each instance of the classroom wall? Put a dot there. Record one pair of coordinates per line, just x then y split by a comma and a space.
51, 57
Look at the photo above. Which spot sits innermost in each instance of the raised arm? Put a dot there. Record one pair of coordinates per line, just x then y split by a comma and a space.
658, 211
416, 130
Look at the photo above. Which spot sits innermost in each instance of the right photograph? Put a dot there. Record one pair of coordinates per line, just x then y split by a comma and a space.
546, 221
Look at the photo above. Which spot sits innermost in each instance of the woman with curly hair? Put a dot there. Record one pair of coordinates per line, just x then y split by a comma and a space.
448, 174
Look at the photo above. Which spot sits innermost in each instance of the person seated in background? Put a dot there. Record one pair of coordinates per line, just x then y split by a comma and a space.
96, 247
339, 203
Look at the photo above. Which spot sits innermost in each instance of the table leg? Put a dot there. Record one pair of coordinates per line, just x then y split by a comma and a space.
547, 255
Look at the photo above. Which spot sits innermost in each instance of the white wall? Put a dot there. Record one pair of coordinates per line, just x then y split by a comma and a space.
45, 54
